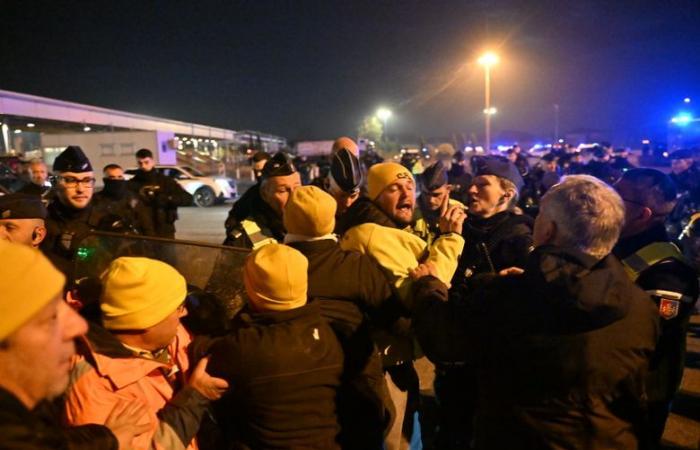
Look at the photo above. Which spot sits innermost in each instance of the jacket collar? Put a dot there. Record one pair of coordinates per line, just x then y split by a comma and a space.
626, 246
116, 362
274, 317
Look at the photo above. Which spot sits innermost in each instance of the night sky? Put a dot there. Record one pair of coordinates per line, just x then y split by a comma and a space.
313, 69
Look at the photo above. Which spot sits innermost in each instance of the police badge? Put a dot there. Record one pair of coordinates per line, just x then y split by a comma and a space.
668, 309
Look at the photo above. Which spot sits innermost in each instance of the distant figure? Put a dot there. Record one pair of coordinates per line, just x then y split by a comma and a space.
161, 194
39, 184
116, 202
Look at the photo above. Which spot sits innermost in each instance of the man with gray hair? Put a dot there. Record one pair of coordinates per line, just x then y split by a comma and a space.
560, 346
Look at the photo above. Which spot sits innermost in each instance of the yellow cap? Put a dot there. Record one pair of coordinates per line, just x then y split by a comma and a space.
382, 175
275, 278
139, 293
310, 212
28, 282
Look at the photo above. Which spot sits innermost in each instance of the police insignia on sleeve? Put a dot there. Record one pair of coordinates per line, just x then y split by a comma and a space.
668, 309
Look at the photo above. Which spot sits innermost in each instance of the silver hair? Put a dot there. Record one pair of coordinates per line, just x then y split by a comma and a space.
589, 214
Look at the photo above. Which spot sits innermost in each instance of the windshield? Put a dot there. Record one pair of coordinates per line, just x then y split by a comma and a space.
193, 171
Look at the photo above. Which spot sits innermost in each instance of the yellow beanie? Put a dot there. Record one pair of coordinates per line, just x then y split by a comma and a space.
310, 212
138, 293
28, 282
275, 278
382, 175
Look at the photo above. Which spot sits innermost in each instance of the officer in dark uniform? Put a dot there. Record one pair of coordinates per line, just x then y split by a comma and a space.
122, 205
38, 185
161, 194
260, 222
600, 167
22, 219
495, 239
685, 173
658, 267
72, 214
435, 192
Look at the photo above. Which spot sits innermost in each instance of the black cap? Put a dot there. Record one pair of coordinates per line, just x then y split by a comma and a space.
599, 152
345, 171
500, 167
549, 157
72, 159
434, 177
279, 165
684, 153
22, 206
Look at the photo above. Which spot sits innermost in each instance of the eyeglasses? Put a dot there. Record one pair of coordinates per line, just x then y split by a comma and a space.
71, 182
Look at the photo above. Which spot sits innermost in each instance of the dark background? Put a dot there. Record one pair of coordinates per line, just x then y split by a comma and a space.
314, 69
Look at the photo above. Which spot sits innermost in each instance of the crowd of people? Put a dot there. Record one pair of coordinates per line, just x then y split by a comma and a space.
550, 298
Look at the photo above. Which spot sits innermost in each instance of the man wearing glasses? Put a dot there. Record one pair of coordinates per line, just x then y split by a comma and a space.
70, 213
657, 266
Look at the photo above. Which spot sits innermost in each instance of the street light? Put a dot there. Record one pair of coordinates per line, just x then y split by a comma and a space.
384, 114
487, 60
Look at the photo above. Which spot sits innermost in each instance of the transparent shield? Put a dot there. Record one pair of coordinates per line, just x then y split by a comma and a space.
211, 271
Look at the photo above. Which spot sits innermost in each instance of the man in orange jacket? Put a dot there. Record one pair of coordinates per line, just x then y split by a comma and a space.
141, 355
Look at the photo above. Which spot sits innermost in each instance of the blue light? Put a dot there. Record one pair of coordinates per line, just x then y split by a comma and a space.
682, 119
686, 100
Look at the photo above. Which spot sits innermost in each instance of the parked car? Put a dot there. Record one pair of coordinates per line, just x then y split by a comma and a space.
206, 190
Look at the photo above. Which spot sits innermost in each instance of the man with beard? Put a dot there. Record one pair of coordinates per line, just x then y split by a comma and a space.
161, 194
261, 222
495, 239
435, 195
70, 214
117, 203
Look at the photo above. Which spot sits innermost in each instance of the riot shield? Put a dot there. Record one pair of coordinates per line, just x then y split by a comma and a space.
213, 272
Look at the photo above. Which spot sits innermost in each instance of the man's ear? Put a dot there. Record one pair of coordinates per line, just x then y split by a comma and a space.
38, 235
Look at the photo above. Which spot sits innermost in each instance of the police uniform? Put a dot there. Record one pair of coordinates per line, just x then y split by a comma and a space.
659, 267
67, 226
252, 223
128, 212
162, 196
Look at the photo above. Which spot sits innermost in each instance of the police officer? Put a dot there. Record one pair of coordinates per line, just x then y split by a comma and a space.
22, 219
434, 197
495, 239
125, 207
263, 222
161, 194
70, 214
685, 173
658, 267
38, 185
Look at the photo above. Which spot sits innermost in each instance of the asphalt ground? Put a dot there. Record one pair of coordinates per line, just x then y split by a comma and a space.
682, 430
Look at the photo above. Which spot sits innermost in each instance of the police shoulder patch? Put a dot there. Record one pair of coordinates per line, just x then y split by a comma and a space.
668, 309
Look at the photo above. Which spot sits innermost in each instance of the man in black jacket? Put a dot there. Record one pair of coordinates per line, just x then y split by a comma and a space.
116, 202
283, 359
256, 219
37, 334
561, 348
160, 193
658, 266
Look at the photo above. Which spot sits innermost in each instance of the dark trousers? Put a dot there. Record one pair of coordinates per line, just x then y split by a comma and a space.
455, 394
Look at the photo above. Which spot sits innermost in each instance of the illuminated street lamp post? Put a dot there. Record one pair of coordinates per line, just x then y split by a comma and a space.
487, 60
384, 114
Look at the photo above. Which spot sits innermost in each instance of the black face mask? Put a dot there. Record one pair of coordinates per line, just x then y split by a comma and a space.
115, 188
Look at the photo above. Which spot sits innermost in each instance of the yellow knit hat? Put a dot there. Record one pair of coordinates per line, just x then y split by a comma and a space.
310, 212
382, 175
138, 293
275, 278
28, 282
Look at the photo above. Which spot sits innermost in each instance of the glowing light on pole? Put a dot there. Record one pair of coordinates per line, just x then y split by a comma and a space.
488, 60
384, 114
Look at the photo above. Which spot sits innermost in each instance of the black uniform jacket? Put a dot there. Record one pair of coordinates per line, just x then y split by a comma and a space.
21, 429
162, 195
673, 276
252, 207
285, 370
561, 351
